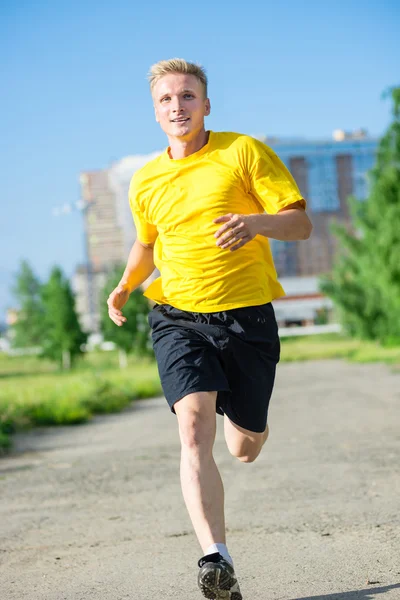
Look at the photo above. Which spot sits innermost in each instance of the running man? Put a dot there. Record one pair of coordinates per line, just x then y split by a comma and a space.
203, 211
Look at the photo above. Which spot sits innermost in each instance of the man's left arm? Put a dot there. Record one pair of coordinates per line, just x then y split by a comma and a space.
291, 223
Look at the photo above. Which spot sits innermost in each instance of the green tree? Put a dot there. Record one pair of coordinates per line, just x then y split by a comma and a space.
134, 335
365, 282
27, 330
62, 336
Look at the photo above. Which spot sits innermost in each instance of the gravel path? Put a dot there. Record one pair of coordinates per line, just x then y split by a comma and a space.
95, 511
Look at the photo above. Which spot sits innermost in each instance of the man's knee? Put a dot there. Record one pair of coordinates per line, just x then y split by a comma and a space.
247, 448
195, 432
197, 421
243, 444
247, 453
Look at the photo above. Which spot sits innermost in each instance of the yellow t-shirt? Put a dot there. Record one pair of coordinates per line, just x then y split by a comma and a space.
174, 203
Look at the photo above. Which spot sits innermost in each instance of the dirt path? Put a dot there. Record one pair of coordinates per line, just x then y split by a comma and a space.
95, 511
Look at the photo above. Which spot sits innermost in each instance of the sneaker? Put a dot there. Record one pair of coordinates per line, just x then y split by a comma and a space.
217, 579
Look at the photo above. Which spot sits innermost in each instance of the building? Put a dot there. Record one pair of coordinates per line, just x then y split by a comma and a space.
105, 228
88, 284
327, 173
303, 304
109, 233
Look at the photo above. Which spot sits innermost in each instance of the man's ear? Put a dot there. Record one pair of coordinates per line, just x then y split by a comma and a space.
156, 115
207, 107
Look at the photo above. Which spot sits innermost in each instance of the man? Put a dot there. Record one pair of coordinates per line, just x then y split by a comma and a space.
204, 211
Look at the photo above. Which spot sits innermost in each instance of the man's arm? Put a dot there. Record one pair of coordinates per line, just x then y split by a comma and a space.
289, 224
139, 267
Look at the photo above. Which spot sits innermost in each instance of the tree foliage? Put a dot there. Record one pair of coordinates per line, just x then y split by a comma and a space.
62, 336
27, 330
134, 335
365, 281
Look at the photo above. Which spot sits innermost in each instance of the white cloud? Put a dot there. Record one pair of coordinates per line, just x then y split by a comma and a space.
123, 170
119, 177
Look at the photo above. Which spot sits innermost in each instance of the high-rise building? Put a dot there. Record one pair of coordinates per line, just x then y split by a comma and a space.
109, 232
327, 173
88, 283
104, 231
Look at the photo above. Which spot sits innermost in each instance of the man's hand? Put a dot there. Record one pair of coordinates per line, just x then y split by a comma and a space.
237, 230
117, 300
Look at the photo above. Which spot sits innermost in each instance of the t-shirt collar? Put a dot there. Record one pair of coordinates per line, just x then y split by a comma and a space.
192, 157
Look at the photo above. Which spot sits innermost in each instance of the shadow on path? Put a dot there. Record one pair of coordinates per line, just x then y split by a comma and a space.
366, 594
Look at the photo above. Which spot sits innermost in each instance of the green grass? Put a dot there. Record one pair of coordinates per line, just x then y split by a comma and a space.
330, 346
34, 392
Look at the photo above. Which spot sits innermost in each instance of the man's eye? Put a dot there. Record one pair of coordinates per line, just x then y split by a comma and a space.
165, 99
188, 96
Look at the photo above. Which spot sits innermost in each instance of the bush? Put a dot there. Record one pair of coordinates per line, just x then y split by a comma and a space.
5, 441
60, 411
107, 398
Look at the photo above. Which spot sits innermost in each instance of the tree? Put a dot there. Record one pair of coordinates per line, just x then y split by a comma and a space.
365, 282
27, 329
62, 336
134, 335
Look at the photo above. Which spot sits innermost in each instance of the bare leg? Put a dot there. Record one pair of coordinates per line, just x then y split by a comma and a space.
243, 444
201, 482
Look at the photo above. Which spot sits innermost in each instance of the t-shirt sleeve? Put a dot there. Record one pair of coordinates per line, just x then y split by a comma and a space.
271, 182
146, 232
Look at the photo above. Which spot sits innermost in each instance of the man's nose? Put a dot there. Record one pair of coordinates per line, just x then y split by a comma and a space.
177, 105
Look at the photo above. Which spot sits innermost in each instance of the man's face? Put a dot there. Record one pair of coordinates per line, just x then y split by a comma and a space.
180, 105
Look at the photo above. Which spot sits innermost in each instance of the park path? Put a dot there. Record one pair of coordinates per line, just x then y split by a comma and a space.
94, 512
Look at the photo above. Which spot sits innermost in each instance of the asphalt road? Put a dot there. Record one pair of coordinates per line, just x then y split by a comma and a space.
94, 512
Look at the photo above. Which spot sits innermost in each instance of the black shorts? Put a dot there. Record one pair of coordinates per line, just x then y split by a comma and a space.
232, 352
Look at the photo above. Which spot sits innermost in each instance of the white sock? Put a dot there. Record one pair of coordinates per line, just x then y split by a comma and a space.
222, 549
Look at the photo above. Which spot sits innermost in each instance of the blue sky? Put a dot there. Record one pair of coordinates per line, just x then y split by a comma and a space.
75, 95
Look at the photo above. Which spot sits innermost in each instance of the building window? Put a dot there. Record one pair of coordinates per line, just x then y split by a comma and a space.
363, 163
322, 183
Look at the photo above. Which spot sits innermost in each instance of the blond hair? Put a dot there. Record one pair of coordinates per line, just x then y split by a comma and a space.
177, 65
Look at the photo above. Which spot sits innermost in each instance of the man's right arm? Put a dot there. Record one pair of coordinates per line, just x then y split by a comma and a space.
139, 267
